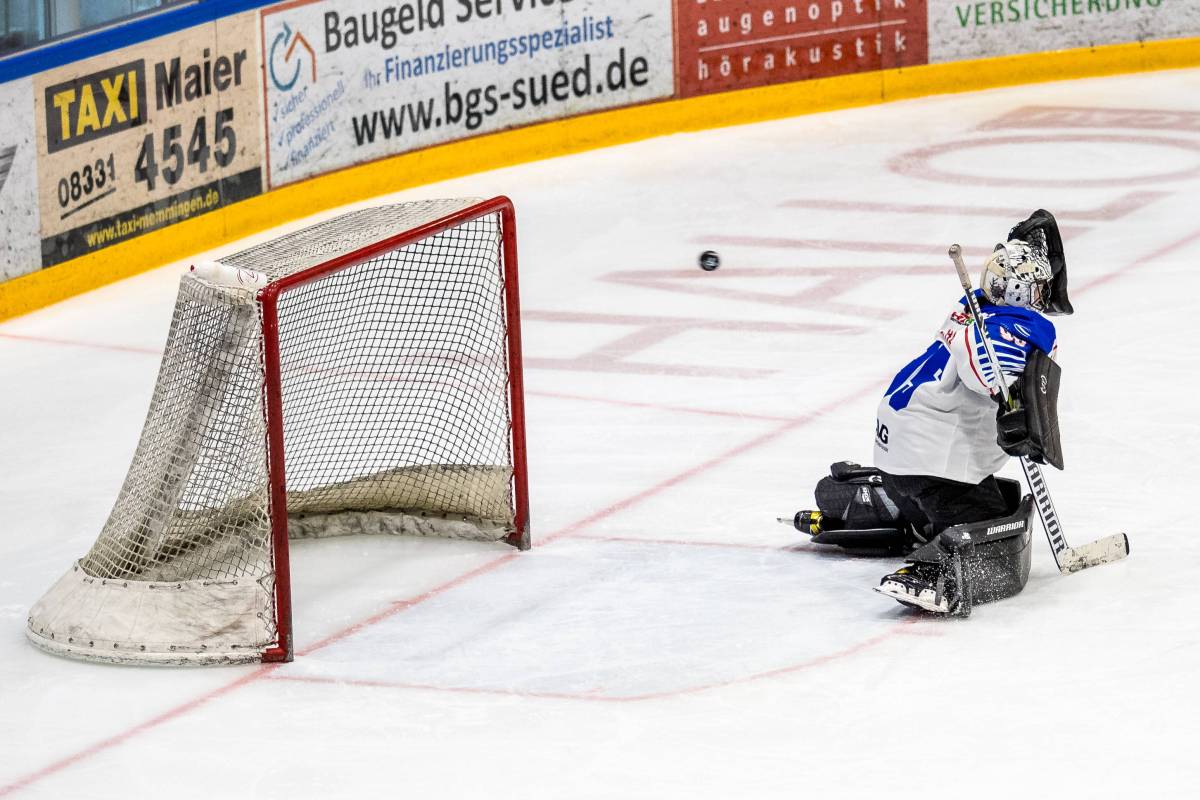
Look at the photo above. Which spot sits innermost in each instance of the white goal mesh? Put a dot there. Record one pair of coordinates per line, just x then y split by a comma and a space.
395, 376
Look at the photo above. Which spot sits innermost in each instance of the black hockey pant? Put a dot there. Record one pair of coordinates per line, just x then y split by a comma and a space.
934, 504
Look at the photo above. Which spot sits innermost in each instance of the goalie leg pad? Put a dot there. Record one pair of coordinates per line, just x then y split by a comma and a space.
855, 495
978, 562
857, 513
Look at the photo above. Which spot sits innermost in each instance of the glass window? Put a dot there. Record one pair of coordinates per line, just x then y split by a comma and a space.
27, 23
22, 24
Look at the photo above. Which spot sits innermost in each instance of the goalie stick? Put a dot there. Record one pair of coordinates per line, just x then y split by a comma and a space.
1069, 559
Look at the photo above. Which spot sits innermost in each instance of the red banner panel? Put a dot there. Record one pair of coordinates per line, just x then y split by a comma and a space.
736, 44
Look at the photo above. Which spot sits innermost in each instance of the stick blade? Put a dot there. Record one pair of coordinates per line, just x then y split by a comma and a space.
1093, 554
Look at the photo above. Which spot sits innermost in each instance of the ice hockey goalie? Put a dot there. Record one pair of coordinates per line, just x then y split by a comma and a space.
942, 433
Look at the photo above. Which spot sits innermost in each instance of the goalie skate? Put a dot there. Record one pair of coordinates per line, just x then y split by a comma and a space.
910, 589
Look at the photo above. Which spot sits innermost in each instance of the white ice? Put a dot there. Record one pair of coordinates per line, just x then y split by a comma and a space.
666, 638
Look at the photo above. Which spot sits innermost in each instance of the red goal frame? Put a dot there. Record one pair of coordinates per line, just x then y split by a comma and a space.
268, 299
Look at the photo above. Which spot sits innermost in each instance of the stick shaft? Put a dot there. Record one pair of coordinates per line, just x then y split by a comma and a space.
997, 381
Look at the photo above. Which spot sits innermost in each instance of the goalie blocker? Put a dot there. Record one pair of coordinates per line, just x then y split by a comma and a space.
1029, 426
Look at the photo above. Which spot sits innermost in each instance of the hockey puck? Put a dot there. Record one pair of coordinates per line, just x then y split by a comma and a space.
709, 260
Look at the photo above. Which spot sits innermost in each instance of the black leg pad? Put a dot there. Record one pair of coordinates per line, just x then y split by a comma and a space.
982, 561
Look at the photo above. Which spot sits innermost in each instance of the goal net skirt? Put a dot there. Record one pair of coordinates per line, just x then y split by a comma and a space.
373, 385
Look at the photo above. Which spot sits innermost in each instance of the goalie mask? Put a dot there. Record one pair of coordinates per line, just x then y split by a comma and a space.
1015, 276
1030, 269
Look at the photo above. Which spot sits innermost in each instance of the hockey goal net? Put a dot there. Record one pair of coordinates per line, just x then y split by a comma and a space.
372, 385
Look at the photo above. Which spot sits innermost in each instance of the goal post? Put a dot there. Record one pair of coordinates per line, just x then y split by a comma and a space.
362, 375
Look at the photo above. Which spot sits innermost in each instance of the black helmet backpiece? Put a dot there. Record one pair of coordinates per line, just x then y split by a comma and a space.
1040, 232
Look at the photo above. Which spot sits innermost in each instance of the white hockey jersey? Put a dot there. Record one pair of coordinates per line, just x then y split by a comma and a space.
937, 417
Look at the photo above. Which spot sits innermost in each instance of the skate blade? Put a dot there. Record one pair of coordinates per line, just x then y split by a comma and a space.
1093, 554
904, 598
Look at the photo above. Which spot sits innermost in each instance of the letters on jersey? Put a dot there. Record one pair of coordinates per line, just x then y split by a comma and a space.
937, 417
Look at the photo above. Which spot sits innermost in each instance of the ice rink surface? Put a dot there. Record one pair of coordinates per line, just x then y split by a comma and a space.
666, 638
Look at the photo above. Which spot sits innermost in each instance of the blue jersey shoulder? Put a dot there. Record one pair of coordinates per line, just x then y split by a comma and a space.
1020, 324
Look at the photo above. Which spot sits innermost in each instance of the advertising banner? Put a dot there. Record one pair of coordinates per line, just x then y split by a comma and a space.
736, 44
20, 247
147, 136
356, 80
965, 30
